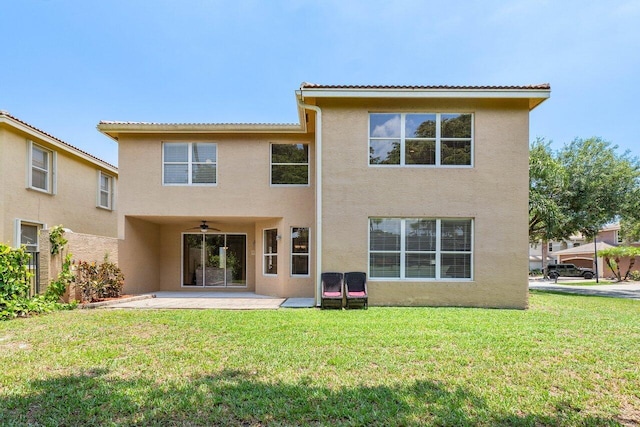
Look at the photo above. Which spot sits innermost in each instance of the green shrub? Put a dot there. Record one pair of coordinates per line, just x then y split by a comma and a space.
14, 286
635, 275
58, 287
57, 240
14, 273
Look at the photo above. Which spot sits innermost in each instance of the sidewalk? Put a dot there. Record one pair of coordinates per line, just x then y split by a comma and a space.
618, 290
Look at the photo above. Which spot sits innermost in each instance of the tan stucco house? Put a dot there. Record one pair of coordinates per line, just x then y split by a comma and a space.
45, 182
424, 188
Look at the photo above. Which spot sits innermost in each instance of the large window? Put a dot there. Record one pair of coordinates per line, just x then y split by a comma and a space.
420, 139
289, 164
41, 168
299, 251
105, 191
270, 252
189, 163
417, 248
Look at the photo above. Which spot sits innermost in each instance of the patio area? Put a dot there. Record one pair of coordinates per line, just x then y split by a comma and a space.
209, 300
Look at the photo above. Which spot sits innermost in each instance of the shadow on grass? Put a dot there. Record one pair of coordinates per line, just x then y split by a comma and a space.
233, 398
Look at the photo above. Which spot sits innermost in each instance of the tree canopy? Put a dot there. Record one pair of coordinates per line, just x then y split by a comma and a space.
581, 188
547, 183
601, 184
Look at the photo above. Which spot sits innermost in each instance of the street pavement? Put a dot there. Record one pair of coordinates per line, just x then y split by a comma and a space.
630, 290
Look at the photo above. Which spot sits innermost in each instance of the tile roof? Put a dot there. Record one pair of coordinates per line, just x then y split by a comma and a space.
583, 249
306, 85
6, 114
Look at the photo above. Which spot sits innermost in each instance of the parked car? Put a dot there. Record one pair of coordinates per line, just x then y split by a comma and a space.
568, 270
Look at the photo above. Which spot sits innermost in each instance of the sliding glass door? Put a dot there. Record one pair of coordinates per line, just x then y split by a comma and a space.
214, 260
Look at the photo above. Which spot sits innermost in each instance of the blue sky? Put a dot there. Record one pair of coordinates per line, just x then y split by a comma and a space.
67, 64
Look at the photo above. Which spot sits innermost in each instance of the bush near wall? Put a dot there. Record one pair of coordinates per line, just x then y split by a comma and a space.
98, 282
15, 284
85, 247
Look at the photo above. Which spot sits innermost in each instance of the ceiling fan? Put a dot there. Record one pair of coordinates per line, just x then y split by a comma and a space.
204, 227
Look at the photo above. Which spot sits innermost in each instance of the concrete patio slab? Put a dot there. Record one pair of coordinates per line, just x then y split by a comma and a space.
299, 303
204, 300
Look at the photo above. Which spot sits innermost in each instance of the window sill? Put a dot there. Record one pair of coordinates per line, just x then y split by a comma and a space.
39, 190
423, 166
418, 280
189, 185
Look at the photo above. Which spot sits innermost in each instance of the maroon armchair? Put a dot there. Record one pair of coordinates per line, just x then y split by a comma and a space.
332, 290
355, 284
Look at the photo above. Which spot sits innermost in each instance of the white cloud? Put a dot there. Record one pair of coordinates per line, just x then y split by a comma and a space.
388, 129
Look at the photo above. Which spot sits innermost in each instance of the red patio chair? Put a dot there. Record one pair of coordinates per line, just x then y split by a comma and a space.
355, 284
332, 290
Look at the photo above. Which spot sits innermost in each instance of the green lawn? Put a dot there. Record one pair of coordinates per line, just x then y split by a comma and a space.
568, 360
601, 282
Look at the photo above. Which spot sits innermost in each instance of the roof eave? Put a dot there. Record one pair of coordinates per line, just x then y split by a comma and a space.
36, 133
114, 129
535, 95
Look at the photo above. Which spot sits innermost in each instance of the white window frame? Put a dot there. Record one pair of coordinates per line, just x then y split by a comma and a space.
266, 254
110, 191
190, 164
307, 254
438, 252
19, 222
438, 140
618, 237
271, 164
52, 160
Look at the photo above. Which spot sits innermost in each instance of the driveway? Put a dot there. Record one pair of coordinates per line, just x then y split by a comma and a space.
619, 290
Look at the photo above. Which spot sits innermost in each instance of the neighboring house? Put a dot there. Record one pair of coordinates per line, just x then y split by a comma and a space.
535, 250
46, 182
582, 256
424, 188
610, 234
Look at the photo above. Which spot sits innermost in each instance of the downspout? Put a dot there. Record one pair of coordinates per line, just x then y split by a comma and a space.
318, 155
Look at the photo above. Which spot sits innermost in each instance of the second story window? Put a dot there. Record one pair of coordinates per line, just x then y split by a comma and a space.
41, 168
420, 139
189, 163
105, 191
289, 164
